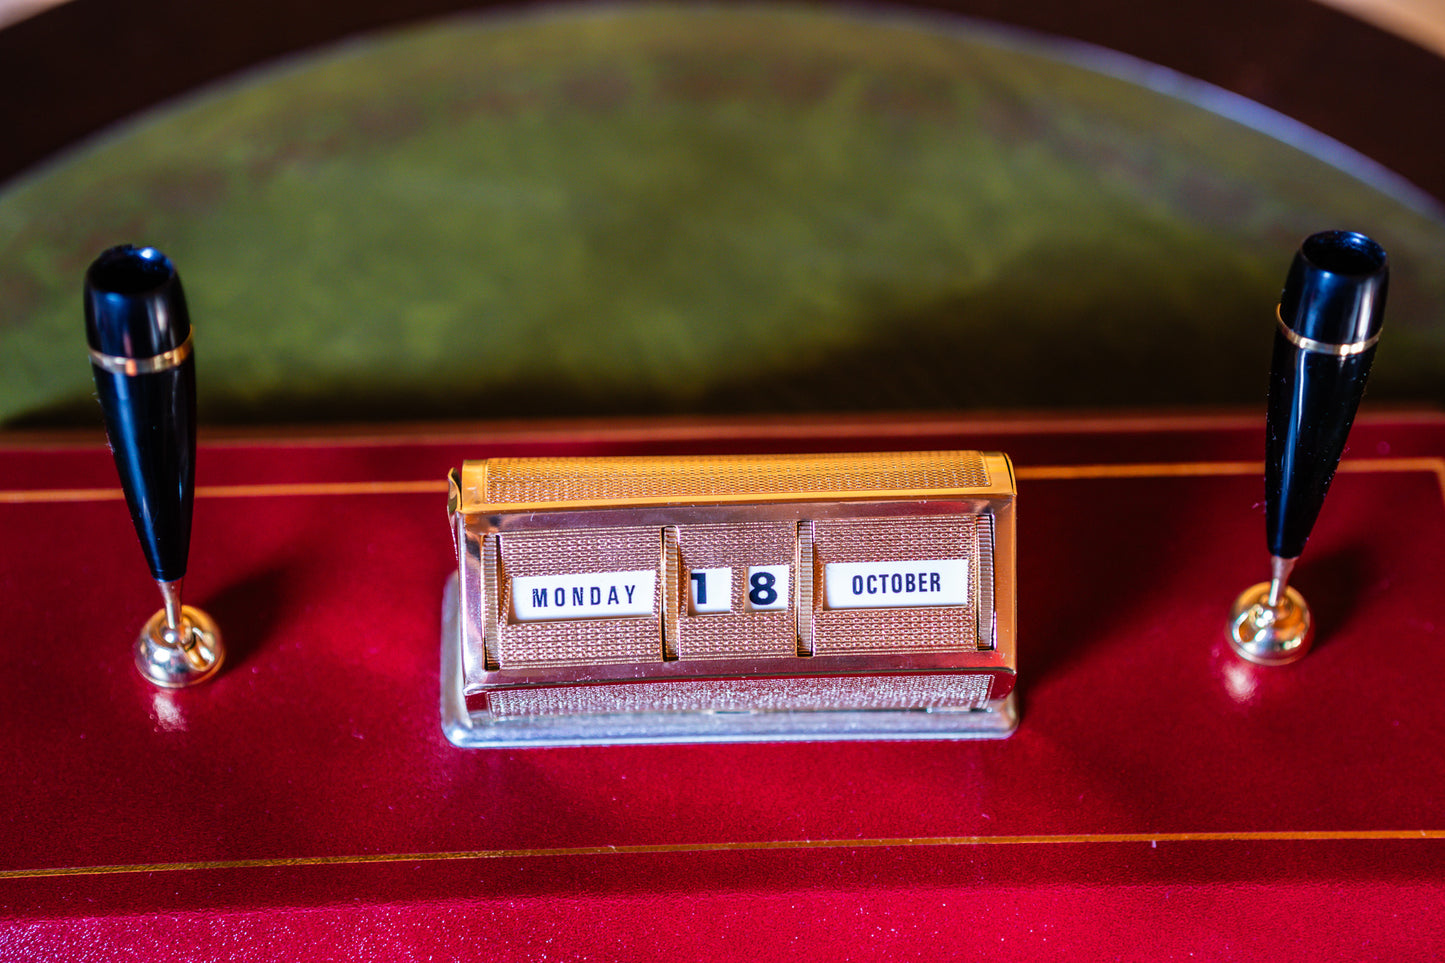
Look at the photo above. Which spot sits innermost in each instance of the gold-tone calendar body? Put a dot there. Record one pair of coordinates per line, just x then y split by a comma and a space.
725, 598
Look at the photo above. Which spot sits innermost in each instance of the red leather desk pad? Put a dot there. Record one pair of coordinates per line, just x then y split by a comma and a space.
1160, 799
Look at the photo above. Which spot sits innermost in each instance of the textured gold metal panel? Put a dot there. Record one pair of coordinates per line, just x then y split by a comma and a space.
512, 481
578, 641
739, 633
944, 628
733, 695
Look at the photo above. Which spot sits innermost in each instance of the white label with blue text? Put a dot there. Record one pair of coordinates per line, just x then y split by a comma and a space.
710, 591
888, 585
767, 588
592, 595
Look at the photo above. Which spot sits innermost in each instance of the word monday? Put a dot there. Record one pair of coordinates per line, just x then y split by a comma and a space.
586, 596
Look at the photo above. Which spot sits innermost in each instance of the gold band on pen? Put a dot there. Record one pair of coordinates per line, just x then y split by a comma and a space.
1324, 347
164, 361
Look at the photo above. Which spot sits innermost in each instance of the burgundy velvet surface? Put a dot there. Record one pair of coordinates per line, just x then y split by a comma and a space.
1160, 799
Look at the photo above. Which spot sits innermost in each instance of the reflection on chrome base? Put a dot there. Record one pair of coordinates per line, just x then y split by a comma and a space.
1269, 634
185, 655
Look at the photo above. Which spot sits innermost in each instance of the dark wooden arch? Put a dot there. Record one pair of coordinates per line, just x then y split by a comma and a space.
78, 67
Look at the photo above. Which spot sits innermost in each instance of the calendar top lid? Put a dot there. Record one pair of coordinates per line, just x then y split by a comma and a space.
536, 484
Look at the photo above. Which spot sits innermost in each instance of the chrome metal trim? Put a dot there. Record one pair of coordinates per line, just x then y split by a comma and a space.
164, 361
742, 665
805, 565
1279, 569
671, 605
653, 516
491, 601
171, 594
1323, 347
983, 575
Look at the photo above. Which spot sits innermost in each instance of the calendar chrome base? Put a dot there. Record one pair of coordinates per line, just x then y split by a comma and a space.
476, 728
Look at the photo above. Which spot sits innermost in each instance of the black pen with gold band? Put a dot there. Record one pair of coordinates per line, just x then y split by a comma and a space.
139, 331
1327, 325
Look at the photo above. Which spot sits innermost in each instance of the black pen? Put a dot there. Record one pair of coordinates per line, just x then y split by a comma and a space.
1328, 323
139, 332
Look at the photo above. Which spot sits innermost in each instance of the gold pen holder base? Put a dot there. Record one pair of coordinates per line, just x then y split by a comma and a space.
175, 660
1266, 635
